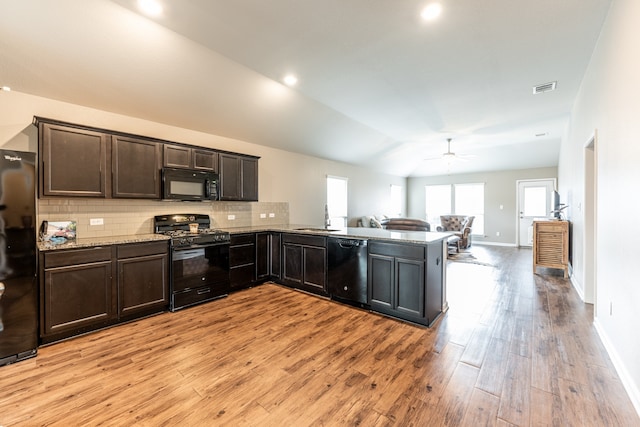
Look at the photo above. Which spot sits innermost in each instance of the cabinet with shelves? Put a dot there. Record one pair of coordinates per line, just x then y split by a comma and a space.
181, 156
238, 177
551, 245
304, 262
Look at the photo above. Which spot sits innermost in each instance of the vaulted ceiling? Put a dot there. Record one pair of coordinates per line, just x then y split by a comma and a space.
377, 85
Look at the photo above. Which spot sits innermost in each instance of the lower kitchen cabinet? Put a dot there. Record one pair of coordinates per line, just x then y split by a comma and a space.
143, 274
242, 260
268, 255
79, 291
405, 280
304, 262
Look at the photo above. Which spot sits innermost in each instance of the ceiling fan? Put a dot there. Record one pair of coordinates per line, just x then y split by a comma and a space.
450, 156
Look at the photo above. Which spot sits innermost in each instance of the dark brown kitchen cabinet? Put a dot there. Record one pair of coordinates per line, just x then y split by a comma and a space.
135, 168
304, 262
73, 161
180, 156
76, 292
238, 177
143, 278
82, 290
242, 260
268, 255
405, 280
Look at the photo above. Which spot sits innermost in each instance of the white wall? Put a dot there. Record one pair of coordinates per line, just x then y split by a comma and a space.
283, 176
609, 101
500, 189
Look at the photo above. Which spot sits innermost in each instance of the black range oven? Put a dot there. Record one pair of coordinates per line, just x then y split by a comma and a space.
199, 259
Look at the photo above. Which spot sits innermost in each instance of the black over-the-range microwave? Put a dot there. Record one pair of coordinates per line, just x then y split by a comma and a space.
189, 184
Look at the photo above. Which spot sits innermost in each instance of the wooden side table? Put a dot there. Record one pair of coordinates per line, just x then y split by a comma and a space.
551, 245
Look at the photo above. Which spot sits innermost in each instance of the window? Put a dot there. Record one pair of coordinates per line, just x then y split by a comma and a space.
458, 199
438, 202
469, 200
395, 201
337, 200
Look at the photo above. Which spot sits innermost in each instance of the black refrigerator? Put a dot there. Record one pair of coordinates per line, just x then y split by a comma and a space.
18, 284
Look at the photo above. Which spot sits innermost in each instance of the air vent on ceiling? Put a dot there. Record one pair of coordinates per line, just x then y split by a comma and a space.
547, 87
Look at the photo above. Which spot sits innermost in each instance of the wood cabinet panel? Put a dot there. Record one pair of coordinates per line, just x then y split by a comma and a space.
551, 245
238, 177
143, 284
181, 156
242, 260
135, 168
304, 262
205, 160
73, 161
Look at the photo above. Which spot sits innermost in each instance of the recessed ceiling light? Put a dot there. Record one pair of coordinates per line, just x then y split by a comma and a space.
150, 7
431, 11
5, 88
290, 80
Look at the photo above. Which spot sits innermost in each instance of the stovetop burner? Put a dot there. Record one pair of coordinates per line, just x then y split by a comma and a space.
177, 227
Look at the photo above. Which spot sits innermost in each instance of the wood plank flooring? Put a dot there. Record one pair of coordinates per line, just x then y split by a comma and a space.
514, 349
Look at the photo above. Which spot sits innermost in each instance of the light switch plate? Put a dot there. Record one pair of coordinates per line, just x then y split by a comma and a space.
96, 221
231, 217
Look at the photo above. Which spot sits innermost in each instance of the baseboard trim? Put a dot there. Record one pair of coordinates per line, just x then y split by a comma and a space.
627, 382
576, 285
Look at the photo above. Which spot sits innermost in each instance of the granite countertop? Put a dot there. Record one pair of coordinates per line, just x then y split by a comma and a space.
351, 233
100, 241
419, 237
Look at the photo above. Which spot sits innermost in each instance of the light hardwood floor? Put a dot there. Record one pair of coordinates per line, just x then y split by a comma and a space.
514, 349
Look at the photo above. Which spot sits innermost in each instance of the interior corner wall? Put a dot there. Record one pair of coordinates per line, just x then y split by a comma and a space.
500, 190
609, 101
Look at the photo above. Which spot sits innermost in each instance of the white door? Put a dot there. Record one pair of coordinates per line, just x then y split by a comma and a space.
534, 201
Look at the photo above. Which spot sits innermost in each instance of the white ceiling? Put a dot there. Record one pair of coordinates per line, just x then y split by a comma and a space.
377, 86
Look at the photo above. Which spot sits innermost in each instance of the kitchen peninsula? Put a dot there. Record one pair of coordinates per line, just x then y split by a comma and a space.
405, 273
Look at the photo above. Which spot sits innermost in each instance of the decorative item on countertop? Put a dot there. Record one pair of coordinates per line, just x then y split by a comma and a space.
58, 232
327, 218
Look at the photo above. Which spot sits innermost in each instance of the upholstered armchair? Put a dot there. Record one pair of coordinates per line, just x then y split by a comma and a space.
461, 227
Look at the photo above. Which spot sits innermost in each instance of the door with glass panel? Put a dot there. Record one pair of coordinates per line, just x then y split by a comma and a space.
534, 201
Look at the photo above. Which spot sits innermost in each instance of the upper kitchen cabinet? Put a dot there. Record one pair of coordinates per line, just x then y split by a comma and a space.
73, 161
180, 156
238, 177
135, 168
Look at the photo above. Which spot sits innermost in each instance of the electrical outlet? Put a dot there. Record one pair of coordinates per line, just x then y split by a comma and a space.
272, 215
231, 217
96, 221
497, 233
501, 207
263, 215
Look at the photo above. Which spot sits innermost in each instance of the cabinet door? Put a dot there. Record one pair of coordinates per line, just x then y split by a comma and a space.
77, 297
275, 240
230, 182
249, 176
242, 260
381, 276
262, 255
292, 264
315, 267
409, 296
177, 156
143, 284
73, 161
205, 160
135, 168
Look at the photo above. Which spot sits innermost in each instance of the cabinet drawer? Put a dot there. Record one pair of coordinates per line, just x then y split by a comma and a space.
300, 239
396, 250
76, 256
551, 228
244, 254
244, 275
242, 239
142, 249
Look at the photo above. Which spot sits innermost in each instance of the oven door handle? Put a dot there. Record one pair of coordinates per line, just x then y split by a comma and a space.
187, 254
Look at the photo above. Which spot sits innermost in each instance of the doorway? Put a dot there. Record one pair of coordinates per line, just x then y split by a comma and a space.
534, 201
590, 212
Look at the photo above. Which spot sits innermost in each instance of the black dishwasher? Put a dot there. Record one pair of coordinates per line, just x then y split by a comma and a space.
347, 275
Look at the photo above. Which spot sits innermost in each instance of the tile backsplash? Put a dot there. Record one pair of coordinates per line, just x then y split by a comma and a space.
125, 217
